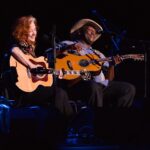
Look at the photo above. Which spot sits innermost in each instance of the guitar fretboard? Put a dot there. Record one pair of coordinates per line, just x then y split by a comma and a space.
123, 57
68, 72
41, 70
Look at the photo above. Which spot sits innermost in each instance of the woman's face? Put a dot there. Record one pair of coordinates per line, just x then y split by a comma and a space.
32, 32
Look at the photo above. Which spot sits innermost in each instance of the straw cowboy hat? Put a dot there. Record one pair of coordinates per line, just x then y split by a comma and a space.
83, 22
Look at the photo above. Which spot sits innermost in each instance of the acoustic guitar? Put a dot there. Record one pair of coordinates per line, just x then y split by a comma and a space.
90, 62
28, 80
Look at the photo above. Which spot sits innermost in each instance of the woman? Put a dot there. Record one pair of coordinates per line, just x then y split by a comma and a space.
33, 88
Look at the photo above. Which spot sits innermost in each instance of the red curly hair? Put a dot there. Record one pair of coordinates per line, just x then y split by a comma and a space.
21, 29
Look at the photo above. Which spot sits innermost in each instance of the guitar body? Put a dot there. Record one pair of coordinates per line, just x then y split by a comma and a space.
77, 62
27, 81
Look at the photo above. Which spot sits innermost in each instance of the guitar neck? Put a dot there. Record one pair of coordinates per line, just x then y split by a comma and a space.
123, 57
69, 72
40, 70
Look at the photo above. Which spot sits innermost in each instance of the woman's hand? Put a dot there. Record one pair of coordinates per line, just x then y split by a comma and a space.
61, 74
33, 66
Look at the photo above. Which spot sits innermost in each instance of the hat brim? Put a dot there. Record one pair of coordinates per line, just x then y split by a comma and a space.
83, 22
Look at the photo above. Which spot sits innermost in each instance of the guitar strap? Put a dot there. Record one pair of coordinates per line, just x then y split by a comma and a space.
26, 48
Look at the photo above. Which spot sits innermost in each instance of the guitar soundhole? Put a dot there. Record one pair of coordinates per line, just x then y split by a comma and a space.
83, 63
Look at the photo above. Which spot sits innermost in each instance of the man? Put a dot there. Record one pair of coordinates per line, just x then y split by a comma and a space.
101, 93
108, 92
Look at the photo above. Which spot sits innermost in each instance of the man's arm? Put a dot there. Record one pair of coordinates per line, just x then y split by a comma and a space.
110, 73
111, 69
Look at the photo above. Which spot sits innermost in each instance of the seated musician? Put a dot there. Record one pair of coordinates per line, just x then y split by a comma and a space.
32, 89
104, 91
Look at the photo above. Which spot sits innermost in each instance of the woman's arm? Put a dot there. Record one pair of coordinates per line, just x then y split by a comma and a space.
21, 57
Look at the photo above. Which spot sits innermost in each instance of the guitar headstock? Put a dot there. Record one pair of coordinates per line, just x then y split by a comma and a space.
136, 57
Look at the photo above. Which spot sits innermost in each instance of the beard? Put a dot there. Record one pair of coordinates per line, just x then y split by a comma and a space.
88, 40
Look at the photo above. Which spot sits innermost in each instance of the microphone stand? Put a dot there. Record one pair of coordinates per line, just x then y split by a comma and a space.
103, 22
51, 56
51, 52
146, 48
54, 46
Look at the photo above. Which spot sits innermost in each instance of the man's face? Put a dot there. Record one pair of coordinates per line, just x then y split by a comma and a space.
90, 35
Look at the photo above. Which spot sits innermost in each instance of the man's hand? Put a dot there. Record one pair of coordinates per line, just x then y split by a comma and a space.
116, 60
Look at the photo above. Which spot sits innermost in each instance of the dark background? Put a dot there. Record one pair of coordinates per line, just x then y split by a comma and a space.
127, 19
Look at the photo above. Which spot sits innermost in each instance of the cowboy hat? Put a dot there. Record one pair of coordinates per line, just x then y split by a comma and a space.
83, 22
